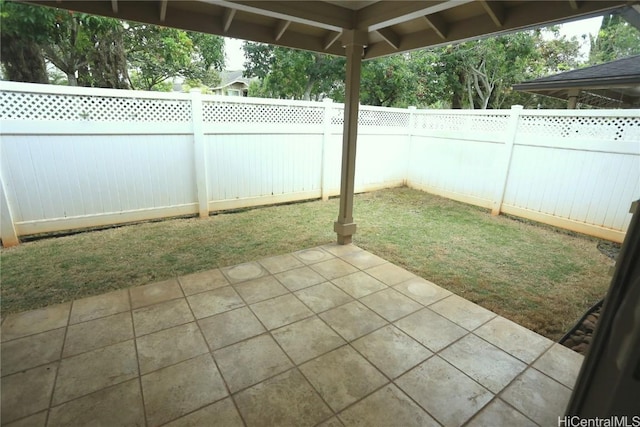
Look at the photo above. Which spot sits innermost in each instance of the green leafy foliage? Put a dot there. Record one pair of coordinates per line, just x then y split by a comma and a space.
616, 39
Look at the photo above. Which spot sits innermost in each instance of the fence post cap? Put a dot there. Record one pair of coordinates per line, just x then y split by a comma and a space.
412, 107
195, 90
327, 100
517, 107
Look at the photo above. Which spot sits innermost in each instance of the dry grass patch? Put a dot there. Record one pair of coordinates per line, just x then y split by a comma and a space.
537, 276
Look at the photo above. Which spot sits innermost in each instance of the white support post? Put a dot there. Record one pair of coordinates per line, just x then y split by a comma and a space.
7, 230
412, 125
326, 138
509, 141
200, 159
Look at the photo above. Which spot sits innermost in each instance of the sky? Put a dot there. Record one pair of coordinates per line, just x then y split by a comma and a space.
235, 56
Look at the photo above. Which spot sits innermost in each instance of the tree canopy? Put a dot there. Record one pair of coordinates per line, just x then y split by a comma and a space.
476, 74
102, 52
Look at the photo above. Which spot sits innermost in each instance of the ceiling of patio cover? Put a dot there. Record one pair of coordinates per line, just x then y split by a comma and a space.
390, 26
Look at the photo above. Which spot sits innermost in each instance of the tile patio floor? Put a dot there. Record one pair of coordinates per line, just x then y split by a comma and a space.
327, 336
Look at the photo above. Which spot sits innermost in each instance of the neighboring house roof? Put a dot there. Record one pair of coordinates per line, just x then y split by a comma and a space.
230, 77
613, 84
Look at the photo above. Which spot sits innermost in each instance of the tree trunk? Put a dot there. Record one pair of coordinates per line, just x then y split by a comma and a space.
23, 60
71, 78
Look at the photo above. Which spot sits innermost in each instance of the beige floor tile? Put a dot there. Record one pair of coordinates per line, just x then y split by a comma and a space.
29, 352
359, 284
391, 350
242, 272
446, 393
520, 342
484, 362
498, 413
388, 406
154, 293
94, 370
213, 302
352, 320
307, 339
179, 389
340, 250
299, 278
284, 400
249, 362
98, 333
230, 327
202, 281
280, 311
362, 259
322, 297
120, 405
280, 263
26, 392
389, 274
99, 306
20, 325
333, 268
257, 290
161, 316
430, 329
422, 290
220, 414
561, 364
342, 377
170, 346
312, 256
35, 420
463, 312
390, 304
538, 397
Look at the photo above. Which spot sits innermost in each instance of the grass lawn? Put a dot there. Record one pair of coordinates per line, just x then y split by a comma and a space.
537, 276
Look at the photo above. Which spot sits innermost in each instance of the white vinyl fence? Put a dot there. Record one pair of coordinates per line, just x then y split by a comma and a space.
79, 157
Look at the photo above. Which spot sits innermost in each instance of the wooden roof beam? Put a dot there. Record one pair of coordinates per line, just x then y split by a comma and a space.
384, 14
163, 10
390, 37
331, 38
317, 14
438, 24
495, 11
227, 19
281, 27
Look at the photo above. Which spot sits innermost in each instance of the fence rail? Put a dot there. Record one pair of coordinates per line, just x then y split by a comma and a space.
79, 157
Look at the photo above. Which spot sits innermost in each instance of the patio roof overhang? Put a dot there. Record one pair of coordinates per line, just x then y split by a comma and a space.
356, 29
615, 84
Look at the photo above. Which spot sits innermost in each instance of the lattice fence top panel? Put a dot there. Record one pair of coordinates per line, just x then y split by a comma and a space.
462, 122
217, 112
40, 106
599, 128
375, 117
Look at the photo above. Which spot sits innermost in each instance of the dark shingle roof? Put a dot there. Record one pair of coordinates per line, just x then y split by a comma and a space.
621, 71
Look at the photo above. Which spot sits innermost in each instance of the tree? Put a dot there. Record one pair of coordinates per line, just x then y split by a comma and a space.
290, 73
23, 29
616, 39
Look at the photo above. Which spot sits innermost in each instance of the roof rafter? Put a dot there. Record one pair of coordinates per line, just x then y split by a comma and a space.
390, 37
281, 27
437, 24
387, 13
331, 38
325, 15
227, 19
495, 10
163, 10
